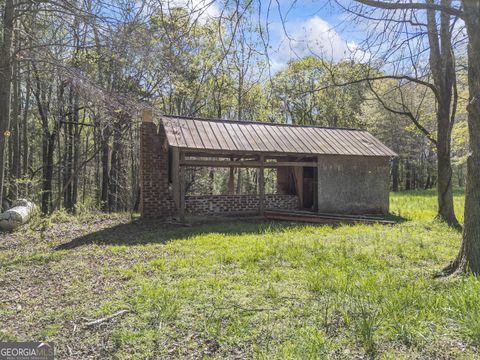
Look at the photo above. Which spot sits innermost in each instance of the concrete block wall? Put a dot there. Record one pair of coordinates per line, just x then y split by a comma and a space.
224, 204
156, 198
354, 185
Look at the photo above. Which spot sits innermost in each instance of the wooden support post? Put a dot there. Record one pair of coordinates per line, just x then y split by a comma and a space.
318, 184
261, 186
175, 176
182, 186
231, 180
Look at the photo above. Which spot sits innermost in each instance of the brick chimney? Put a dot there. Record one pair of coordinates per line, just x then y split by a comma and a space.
156, 200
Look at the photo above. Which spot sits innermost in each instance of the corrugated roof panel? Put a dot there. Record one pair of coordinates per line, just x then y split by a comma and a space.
251, 137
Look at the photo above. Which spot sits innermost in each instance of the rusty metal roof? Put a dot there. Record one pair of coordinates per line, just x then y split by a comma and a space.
258, 137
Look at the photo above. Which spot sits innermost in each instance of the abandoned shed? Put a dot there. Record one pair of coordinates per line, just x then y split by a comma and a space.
322, 170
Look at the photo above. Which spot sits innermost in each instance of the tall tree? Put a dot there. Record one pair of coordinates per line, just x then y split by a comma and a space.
6, 67
468, 259
411, 34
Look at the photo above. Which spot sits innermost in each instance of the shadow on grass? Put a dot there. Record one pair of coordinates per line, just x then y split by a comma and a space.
153, 232
397, 218
140, 232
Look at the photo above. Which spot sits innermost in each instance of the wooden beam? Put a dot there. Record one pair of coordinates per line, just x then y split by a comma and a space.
231, 180
291, 163
219, 163
261, 186
227, 153
322, 218
182, 186
244, 164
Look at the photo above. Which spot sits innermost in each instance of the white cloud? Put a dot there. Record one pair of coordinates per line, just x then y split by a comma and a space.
201, 10
316, 37
204, 9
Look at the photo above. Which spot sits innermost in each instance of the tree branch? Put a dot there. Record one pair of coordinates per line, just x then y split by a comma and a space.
404, 113
412, 6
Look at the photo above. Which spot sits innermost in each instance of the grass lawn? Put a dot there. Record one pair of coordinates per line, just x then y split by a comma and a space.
241, 289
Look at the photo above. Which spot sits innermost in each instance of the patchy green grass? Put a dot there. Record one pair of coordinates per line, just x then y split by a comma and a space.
241, 290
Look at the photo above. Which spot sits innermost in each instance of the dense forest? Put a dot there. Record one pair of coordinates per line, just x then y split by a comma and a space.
83, 70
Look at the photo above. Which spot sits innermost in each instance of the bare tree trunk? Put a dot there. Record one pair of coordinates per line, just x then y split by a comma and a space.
26, 107
446, 209
395, 179
115, 165
76, 152
68, 153
468, 259
408, 176
5, 86
105, 137
48, 141
15, 167
443, 72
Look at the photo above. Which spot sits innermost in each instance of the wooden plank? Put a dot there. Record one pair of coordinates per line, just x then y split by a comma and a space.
338, 215
321, 219
219, 163
231, 181
182, 186
245, 163
298, 178
291, 163
261, 186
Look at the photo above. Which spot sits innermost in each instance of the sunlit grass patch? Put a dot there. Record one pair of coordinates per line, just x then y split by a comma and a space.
260, 290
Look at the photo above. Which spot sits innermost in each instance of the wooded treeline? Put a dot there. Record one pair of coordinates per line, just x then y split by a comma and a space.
75, 75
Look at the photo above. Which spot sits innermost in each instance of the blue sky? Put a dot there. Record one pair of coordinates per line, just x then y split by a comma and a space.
310, 28
307, 27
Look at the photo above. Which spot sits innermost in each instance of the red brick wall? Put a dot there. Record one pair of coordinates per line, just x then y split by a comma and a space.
223, 204
156, 198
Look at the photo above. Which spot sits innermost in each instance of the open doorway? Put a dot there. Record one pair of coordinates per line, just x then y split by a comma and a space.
309, 188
